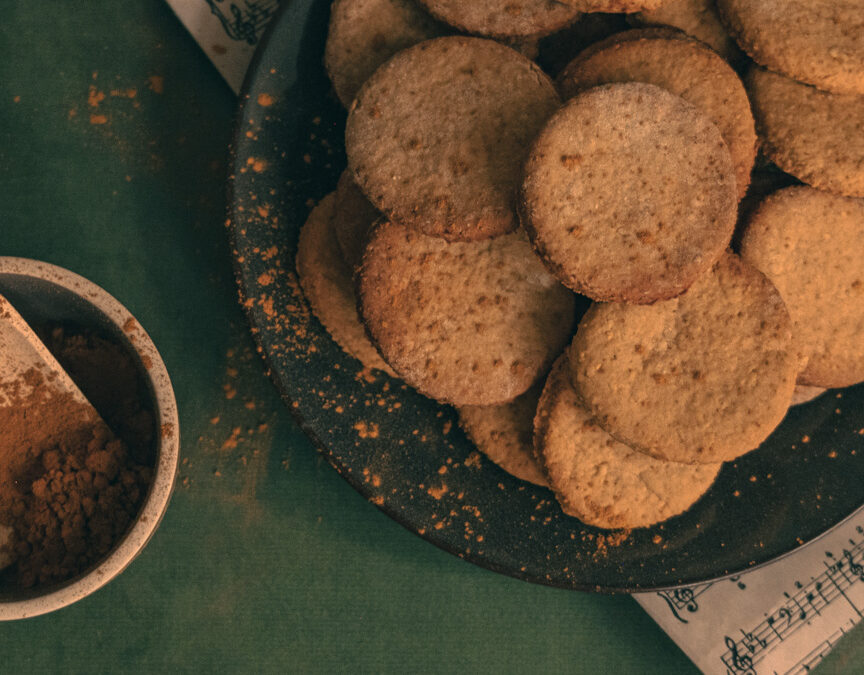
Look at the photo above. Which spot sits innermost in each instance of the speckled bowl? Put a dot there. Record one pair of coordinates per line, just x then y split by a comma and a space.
42, 292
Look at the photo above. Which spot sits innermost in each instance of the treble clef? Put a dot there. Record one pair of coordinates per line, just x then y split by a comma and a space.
855, 568
740, 663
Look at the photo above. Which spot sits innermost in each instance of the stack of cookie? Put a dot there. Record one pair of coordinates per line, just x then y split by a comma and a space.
483, 203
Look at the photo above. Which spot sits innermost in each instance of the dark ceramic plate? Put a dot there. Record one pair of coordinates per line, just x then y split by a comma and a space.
407, 454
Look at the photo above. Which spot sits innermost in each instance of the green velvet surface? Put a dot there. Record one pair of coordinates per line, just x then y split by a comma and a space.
266, 560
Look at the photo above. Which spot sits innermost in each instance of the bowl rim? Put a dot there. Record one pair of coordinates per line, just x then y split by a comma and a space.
168, 447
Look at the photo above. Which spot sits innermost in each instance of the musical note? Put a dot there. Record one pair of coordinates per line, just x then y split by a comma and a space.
810, 601
737, 580
802, 614
753, 642
770, 622
818, 586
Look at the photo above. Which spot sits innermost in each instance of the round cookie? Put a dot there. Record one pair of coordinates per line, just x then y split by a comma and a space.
503, 18
629, 193
505, 432
467, 323
683, 66
809, 244
614, 6
326, 281
698, 18
600, 481
363, 34
437, 136
353, 217
814, 135
820, 42
702, 378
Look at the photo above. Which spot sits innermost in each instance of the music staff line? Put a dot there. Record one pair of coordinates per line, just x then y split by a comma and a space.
840, 575
814, 656
684, 597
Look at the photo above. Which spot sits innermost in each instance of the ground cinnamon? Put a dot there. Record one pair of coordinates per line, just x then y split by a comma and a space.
69, 491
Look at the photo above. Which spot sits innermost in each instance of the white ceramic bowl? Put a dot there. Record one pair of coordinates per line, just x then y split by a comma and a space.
42, 292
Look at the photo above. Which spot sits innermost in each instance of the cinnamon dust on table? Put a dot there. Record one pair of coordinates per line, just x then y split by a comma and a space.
70, 486
265, 100
156, 84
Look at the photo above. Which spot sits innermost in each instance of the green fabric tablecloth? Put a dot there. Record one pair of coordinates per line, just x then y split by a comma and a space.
113, 160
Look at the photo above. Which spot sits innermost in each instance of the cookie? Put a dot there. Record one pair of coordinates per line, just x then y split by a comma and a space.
505, 433
820, 42
353, 217
809, 244
600, 481
629, 193
702, 378
804, 393
437, 136
698, 18
503, 18
363, 34
683, 66
814, 135
326, 282
467, 323
619, 6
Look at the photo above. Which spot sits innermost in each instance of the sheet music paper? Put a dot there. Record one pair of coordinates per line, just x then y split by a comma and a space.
779, 620
227, 30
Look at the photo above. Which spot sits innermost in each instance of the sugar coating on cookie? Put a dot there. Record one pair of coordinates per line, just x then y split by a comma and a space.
702, 378
327, 284
467, 323
683, 66
698, 18
814, 135
363, 34
629, 193
437, 136
353, 217
601, 481
503, 18
820, 42
809, 244
505, 434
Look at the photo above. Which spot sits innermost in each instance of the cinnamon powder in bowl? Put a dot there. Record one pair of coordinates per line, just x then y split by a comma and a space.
79, 503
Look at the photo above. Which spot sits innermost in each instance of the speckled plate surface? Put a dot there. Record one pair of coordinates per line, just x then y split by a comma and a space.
408, 456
